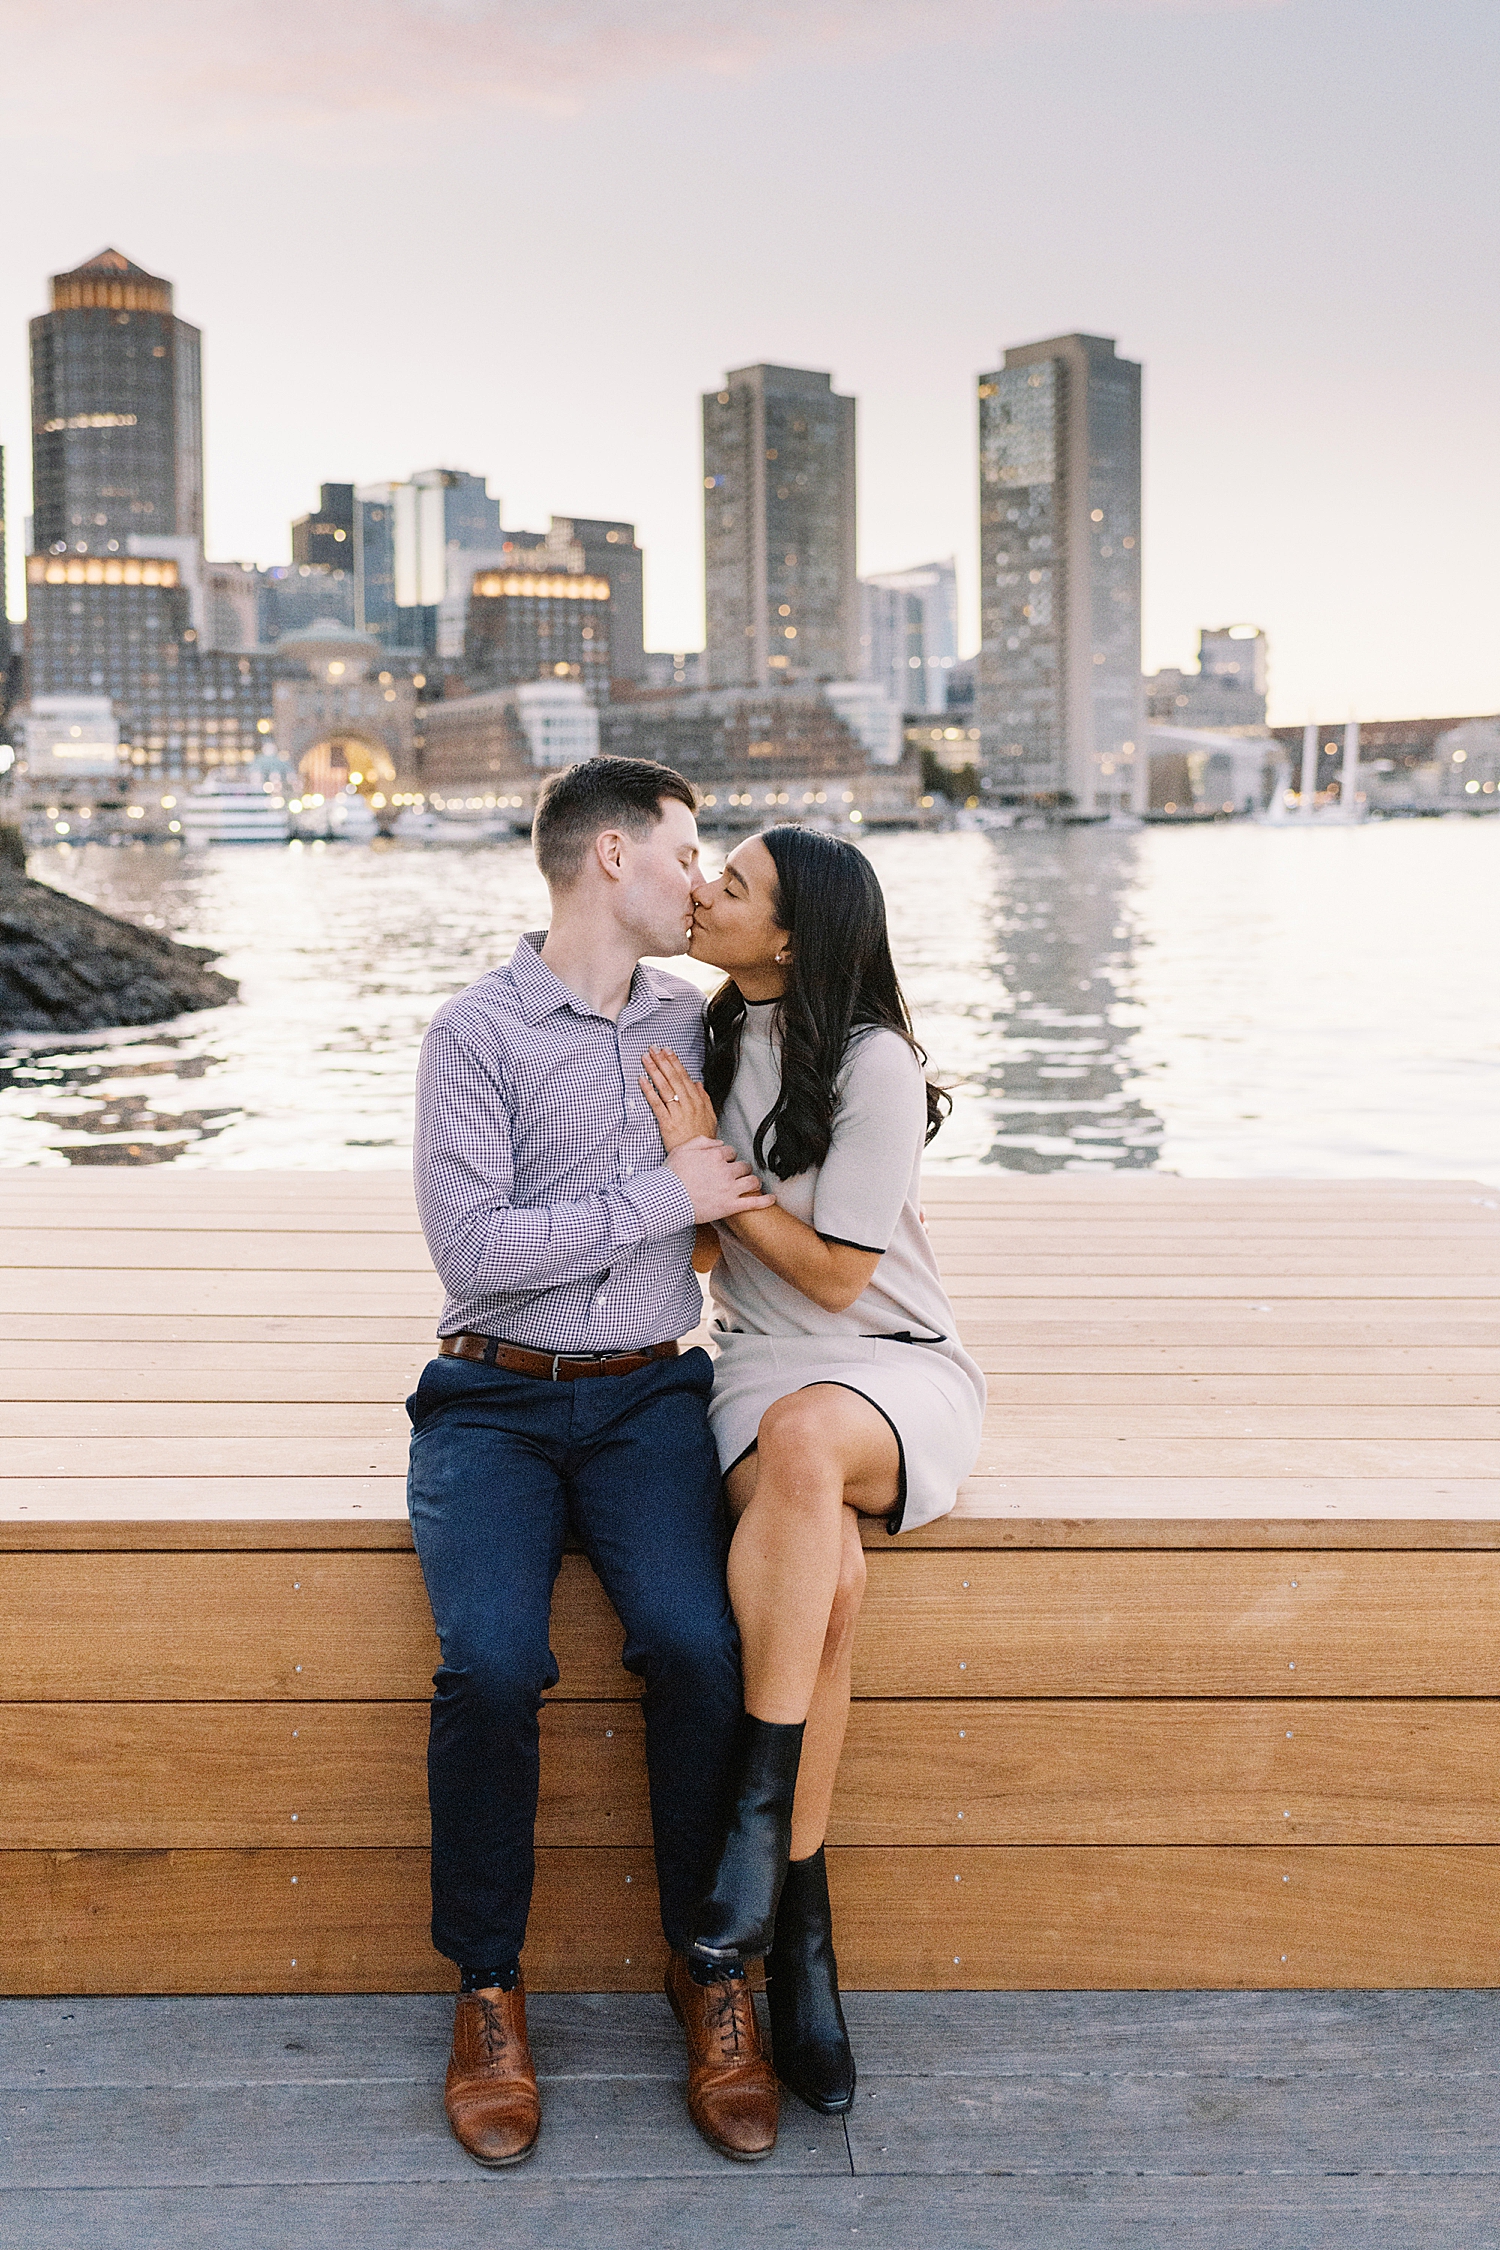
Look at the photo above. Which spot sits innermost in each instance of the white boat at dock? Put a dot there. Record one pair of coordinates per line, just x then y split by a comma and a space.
237, 805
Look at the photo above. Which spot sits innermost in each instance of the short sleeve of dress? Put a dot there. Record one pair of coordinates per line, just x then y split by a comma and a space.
877, 1134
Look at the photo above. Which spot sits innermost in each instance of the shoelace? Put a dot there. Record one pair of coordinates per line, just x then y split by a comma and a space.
727, 1999
492, 2029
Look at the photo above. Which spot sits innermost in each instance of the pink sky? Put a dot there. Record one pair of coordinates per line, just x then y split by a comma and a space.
522, 241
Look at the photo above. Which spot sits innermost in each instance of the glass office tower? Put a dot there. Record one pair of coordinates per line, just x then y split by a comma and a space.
1058, 700
117, 413
779, 527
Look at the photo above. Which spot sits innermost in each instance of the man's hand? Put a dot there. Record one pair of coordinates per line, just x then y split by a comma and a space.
719, 1185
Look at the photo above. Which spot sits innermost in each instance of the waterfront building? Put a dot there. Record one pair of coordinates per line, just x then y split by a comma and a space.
873, 716
779, 529
1059, 701
326, 540
337, 718
117, 414
122, 626
782, 754
908, 633
68, 744
527, 622
231, 605
1467, 764
1395, 751
1227, 690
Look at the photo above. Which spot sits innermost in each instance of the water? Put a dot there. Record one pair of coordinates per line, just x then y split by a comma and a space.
1226, 1001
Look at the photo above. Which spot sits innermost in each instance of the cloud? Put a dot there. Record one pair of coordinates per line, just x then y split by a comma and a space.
237, 64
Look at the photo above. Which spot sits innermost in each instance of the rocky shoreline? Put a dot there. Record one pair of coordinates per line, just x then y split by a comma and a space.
65, 966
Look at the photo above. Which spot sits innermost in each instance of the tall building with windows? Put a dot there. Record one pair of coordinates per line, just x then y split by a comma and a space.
1227, 690
908, 633
326, 539
1058, 701
779, 529
116, 413
608, 550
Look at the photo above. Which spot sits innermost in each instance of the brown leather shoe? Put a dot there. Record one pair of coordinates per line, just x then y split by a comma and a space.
490, 2093
731, 2091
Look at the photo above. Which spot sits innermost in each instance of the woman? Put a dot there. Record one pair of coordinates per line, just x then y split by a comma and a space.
840, 1389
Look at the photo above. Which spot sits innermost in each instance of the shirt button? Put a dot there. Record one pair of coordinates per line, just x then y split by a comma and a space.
627, 1170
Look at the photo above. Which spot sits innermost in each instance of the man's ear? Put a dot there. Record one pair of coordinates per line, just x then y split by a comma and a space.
609, 851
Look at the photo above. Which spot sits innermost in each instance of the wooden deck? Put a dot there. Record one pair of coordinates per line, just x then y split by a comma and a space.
1199, 1687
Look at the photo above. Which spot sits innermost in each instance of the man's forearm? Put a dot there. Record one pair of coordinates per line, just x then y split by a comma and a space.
496, 1249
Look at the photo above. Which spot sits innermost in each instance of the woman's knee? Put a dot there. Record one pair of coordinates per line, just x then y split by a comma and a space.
800, 1432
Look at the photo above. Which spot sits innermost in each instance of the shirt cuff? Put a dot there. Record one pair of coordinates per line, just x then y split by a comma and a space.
661, 1202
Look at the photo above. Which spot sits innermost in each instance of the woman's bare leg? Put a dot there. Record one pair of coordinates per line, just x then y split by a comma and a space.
822, 1454
828, 1713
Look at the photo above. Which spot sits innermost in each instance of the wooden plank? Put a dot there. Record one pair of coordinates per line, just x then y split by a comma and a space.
944, 1623
195, 1776
204, 1776
190, 1294
136, 1383
381, 1449
1172, 1919
962, 1532
966, 1255
1010, 1426
1037, 1624
1380, 1499
993, 1918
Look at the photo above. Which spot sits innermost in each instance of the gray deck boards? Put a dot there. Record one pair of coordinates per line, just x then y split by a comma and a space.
1304, 2121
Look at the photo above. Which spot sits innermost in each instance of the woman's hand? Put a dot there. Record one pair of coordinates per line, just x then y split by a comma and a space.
681, 1108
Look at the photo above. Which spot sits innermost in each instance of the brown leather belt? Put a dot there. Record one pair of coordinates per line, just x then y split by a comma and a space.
549, 1367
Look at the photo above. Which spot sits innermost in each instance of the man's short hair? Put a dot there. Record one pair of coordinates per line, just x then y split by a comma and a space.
577, 805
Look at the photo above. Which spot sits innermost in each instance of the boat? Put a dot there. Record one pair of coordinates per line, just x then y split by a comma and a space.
421, 825
238, 805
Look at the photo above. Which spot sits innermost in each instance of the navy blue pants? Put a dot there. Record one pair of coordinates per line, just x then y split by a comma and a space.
502, 1466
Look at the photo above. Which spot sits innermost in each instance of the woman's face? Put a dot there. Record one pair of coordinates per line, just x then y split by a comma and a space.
734, 919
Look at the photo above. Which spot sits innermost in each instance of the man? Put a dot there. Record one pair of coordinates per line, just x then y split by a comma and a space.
559, 1399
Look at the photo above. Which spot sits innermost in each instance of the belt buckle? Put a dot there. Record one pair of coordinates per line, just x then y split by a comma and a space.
557, 1360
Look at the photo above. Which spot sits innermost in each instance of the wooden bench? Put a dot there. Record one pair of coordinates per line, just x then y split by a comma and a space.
1200, 1686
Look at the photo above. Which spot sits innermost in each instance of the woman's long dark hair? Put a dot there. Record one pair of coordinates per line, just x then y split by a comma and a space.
829, 901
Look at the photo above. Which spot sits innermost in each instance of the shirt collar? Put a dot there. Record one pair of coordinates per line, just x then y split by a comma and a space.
542, 992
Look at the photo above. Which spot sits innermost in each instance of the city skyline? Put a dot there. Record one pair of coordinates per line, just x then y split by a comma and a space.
1289, 257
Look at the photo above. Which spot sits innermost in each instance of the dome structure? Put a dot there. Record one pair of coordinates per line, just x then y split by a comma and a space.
332, 652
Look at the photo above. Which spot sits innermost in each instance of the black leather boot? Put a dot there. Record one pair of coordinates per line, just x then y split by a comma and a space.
809, 2038
738, 1913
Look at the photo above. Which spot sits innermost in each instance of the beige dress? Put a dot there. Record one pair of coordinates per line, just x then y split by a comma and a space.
895, 1344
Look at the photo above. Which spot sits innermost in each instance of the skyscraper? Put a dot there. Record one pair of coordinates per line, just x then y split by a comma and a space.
1059, 694
908, 633
327, 538
116, 413
609, 551
779, 524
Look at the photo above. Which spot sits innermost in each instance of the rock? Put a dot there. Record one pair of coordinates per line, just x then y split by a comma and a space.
65, 966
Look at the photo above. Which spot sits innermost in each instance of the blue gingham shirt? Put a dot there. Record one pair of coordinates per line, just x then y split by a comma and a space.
548, 1208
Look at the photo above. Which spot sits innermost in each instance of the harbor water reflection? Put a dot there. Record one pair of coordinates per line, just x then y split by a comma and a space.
1235, 1000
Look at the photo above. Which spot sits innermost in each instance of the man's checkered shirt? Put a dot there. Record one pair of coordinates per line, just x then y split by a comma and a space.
550, 1214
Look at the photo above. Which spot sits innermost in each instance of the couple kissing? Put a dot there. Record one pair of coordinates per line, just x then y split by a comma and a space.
588, 1133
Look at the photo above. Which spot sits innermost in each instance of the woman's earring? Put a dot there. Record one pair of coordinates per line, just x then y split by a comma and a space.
782, 958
